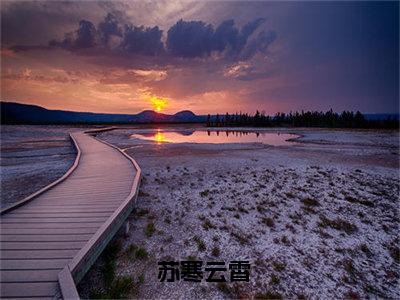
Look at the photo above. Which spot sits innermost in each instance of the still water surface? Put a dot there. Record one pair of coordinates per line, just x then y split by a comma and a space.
216, 137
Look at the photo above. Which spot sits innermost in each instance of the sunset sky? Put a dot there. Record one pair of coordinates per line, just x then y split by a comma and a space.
208, 57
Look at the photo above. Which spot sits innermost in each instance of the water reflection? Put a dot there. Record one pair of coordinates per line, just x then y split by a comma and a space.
159, 137
214, 137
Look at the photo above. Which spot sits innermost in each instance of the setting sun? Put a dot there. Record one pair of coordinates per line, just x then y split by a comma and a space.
158, 103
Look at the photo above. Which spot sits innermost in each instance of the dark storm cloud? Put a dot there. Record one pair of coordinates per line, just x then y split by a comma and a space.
258, 44
198, 39
246, 31
109, 27
86, 36
142, 40
190, 39
185, 39
35, 22
225, 34
133, 40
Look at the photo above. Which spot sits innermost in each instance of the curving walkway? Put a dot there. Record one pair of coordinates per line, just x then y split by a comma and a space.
48, 243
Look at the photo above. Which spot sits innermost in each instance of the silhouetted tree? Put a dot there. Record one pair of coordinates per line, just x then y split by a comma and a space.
346, 119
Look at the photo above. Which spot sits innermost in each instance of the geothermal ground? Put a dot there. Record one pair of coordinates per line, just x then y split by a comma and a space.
316, 219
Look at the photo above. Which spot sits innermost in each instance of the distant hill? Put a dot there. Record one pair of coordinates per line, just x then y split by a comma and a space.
15, 113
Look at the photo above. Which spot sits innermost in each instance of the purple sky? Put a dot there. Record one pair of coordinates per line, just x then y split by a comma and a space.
208, 57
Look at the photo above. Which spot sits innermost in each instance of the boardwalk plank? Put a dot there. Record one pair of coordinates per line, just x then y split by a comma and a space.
31, 289
50, 225
39, 254
93, 196
41, 245
54, 220
45, 238
47, 231
41, 237
33, 215
49, 210
28, 275
32, 264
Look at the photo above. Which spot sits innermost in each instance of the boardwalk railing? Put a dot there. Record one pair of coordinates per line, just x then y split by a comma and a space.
81, 263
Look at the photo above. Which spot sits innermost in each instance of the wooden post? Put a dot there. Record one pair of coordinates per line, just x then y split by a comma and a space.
126, 228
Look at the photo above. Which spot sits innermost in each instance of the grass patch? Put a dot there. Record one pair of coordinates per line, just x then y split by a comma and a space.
131, 250
289, 195
215, 238
204, 193
215, 251
141, 253
115, 287
279, 266
224, 288
134, 251
285, 240
200, 243
207, 225
364, 248
349, 267
274, 280
269, 222
243, 210
142, 212
119, 289
150, 229
268, 296
260, 208
242, 238
358, 201
338, 224
141, 278
143, 194
310, 202
192, 258
395, 253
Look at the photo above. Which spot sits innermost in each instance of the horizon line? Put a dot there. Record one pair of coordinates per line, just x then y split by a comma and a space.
221, 114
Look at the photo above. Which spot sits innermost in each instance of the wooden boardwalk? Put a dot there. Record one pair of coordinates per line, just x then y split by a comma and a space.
48, 243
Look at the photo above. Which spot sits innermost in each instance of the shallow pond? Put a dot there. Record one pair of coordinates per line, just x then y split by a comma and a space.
216, 137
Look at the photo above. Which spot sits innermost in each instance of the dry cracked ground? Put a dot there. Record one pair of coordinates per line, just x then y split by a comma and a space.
314, 221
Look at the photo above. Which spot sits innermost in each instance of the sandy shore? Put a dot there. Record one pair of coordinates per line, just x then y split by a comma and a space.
318, 219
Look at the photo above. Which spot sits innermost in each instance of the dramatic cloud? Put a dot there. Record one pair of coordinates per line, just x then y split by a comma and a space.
108, 28
186, 39
258, 44
198, 39
86, 36
142, 40
114, 56
225, 34
190, 39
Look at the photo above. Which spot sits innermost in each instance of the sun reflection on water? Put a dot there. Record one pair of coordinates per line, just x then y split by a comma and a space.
159, 137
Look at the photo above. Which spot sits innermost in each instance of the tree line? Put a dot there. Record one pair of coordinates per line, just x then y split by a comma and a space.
346, 119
